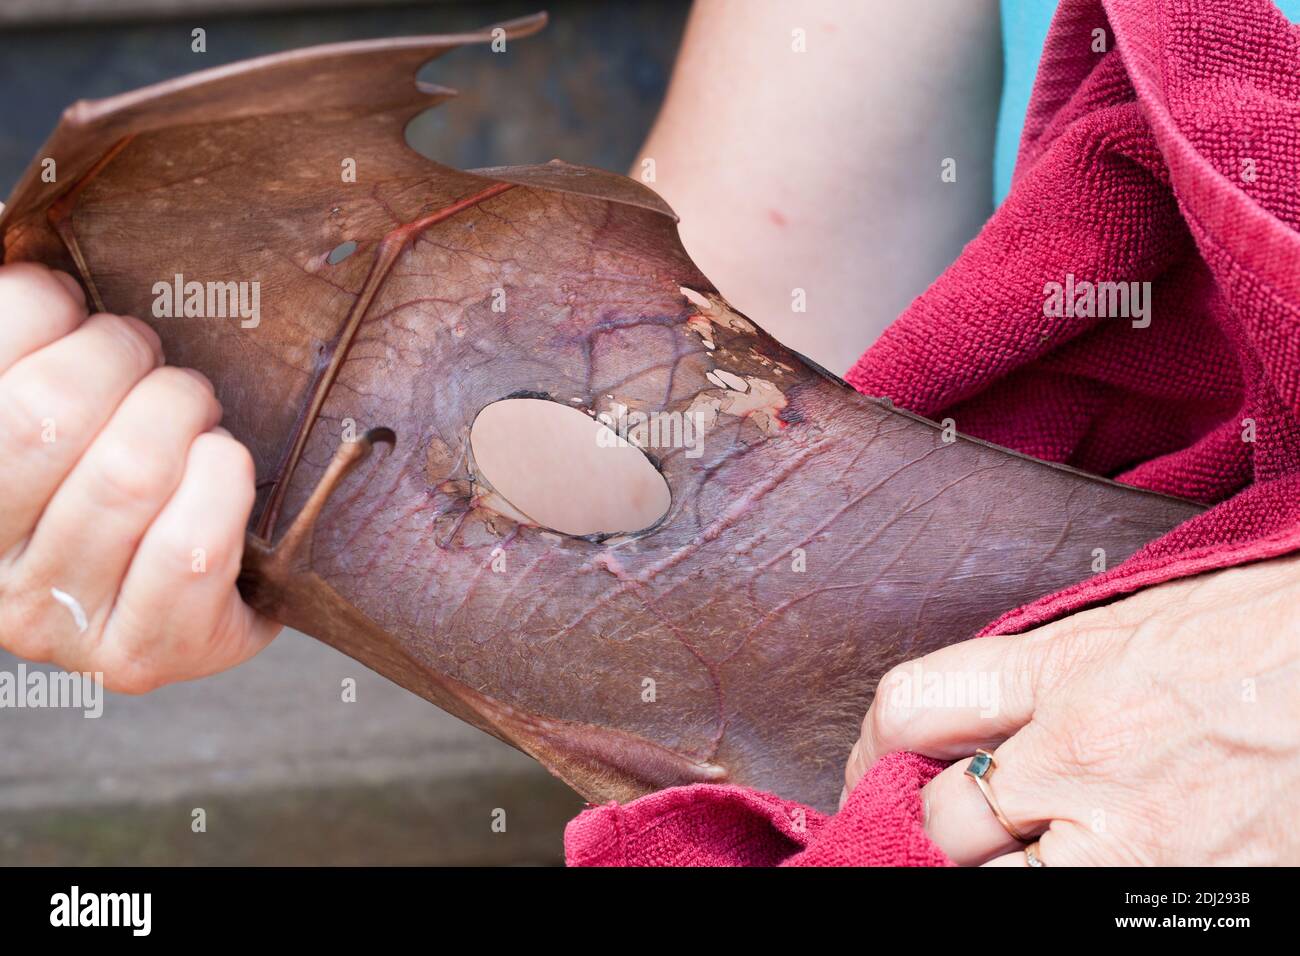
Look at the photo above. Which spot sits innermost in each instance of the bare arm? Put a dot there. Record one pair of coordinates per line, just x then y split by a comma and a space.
820, 170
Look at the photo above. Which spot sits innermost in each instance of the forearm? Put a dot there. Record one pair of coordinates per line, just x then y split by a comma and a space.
821, 170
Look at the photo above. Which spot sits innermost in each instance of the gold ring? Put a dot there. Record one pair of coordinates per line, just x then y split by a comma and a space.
1031, 855
979, 769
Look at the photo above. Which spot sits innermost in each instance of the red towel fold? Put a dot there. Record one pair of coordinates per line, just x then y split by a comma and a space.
1169, 157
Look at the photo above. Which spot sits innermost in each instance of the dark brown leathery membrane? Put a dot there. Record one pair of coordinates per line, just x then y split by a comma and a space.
813, 537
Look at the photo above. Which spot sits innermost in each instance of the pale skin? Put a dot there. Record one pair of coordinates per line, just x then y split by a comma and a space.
1162, 729
821, 170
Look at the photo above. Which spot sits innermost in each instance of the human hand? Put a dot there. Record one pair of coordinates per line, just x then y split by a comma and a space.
1162, 729
122, 525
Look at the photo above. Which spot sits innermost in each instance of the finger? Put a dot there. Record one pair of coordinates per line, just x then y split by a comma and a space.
945, 704
1016, 858
973, 694
854, 770
961, 822
1063, 844
37, 307
179, 614
55, 401
84, 541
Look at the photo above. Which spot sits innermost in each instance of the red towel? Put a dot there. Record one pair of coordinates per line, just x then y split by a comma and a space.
1171, 156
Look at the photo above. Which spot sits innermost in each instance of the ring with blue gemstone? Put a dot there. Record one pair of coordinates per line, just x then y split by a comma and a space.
980, 769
